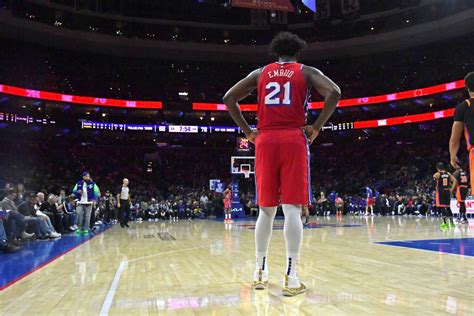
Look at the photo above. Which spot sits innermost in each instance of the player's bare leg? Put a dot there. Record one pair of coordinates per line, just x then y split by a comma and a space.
293, 232
450, 217
338, 212
228, 216
447, 218
305, 215
263, 234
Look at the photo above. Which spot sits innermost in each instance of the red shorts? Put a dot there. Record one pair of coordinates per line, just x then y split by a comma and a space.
282, 167
227, 204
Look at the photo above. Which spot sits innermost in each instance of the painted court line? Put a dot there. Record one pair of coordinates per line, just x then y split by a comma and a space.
118, 274
164, 253
113, 288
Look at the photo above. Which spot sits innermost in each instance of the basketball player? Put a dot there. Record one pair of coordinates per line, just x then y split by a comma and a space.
443, 193
461, 193
281, 146
339, 205
464, 121
369, 202
228, 204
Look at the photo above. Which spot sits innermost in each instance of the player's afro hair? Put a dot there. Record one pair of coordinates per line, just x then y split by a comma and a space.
469, 80
286, 44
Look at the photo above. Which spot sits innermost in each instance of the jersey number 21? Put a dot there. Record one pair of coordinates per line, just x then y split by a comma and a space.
274, 91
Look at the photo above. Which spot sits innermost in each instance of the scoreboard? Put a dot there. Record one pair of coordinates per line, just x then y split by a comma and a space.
242, 143
157, 128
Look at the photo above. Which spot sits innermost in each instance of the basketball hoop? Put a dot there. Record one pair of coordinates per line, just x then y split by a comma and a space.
245, 170
242, 166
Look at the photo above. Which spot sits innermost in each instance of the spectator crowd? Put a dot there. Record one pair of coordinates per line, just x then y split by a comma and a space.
172, 183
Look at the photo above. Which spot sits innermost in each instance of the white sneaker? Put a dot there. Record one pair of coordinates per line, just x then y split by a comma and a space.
72, 228
260, 279
25, 235
54, 235
292, 286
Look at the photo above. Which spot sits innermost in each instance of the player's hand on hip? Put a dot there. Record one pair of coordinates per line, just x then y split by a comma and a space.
455, 162
311, 133
252, 135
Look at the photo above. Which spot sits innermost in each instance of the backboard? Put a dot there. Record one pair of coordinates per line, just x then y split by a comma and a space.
243, 165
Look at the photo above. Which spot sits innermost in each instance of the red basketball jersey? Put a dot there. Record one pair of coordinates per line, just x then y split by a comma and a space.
282, 96
228, 197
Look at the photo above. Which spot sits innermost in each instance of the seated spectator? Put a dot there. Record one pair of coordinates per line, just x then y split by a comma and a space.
152, 212
107, 207
16, 223
69, 207
197, 210
5, 246
20, 193
204, 200
55, 213
164, 211
27, 209
174, 211
52, 233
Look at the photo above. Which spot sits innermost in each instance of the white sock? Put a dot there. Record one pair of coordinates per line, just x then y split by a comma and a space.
293, 231
263, 233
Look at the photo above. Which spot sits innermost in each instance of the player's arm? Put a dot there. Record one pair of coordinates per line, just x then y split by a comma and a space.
436, 176
331, 93
454, 142
237, 93
456, 134
454, 182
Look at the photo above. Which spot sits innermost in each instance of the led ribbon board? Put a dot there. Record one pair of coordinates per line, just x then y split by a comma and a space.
455, 85
76, 99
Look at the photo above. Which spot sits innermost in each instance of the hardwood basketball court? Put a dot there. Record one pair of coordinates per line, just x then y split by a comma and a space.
205, 268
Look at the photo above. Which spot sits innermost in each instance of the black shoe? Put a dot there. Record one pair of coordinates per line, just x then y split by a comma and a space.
122, 225
126, 225
15, 243
42, 238
9, 248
